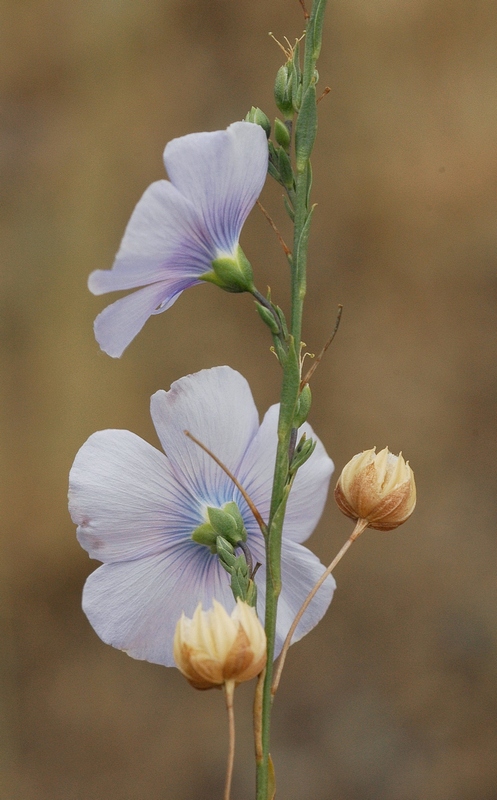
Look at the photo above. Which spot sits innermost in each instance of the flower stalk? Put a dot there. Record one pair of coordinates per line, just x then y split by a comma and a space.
361, 526
229, 691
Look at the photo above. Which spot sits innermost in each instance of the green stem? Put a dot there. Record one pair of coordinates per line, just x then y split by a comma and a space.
289, 396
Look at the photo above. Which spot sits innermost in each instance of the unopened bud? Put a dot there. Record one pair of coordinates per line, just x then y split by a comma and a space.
378, 488
257, 116
283, 89
214, 648
282, 134
303, 452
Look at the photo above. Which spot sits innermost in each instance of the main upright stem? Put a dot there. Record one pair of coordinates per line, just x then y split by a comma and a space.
304, 139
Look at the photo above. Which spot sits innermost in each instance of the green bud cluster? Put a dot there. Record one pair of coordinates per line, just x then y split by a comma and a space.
294, 94
236, 566
222, 534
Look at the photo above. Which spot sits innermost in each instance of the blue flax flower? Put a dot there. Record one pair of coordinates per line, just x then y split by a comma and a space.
180, 226
136, 509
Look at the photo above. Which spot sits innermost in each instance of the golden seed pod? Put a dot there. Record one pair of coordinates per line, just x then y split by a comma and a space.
214, 647
379, 488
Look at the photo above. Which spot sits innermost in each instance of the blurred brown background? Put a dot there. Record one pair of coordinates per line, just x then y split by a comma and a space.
393, 697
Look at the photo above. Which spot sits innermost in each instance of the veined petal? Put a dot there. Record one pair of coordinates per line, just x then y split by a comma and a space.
300, 571
217, 407
135, 605
309, 492
178, 228
164, 240
222, 173
126, 500
117, 325
310, 489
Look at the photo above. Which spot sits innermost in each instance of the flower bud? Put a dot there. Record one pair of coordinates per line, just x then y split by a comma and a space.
283, 90
214, 647
282, 134
378, 488
258, 117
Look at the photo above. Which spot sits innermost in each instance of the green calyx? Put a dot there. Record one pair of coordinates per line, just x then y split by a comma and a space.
231, 273
225, 522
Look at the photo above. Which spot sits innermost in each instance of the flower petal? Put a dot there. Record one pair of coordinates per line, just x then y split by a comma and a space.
309, 492
222, 173
135, 605
217, 407
117, 325
125, 499
300, 571
164, 240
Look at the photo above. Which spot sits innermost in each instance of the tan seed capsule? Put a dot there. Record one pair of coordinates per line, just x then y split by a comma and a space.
213, 647
378, 488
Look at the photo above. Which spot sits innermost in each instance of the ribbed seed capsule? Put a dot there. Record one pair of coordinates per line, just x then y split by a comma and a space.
213, 647
379, 488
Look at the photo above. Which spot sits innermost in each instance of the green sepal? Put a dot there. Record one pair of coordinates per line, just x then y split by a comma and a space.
251, 596
244, 588
257, 116
285, 169
303, 452
274, 163
289, 209
273, 172
282, 319
242, 585
303, 406
305, 129
227, 522
226, 553
282, 134
296, 80
233, 274
268, 318
232, 509
206, 535
240, 577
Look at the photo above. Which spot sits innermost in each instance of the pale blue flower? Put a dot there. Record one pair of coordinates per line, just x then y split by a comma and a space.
136, 509
180, 226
